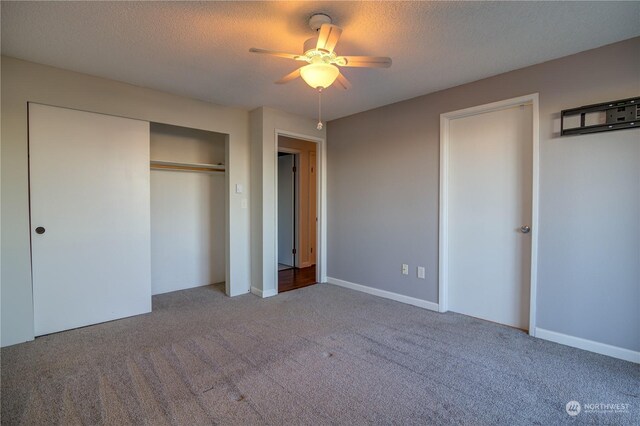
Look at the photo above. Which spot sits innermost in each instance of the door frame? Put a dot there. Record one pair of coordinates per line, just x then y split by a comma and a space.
321, 203
296, 204
443, 245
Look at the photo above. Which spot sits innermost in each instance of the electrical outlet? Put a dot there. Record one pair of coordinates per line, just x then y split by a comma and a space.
405, 269
421, 272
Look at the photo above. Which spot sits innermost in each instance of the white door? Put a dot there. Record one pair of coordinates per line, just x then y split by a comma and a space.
286, 209
89, 189
490, 196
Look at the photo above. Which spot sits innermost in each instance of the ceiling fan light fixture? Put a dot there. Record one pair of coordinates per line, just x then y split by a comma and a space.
319, 75
323, 70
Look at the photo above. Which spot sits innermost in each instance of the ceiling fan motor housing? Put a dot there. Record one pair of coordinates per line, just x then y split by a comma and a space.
310, 44
315, 55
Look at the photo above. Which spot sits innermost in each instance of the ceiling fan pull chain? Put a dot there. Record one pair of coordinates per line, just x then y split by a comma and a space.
319, 126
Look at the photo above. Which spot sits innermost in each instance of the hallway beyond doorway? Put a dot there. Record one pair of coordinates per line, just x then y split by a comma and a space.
293, 278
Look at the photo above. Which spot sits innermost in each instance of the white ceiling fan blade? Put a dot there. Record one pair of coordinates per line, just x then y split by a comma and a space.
291, 76
328, 37
366, 61
342, 82
274, 53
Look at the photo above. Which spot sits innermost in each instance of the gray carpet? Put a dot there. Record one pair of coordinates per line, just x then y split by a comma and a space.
319, 355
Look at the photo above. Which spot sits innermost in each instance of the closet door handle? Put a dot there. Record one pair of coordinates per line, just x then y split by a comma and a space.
40, 230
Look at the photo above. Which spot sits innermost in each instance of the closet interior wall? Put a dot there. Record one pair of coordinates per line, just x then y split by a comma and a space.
187, 208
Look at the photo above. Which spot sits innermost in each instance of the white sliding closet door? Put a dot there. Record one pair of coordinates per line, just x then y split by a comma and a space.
90, 226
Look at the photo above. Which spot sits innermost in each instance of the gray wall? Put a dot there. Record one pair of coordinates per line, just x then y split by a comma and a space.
383, 168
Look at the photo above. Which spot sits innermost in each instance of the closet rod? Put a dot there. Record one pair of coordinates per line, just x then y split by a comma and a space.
189, 167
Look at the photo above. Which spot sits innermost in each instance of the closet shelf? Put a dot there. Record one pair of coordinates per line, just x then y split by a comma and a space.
189, 167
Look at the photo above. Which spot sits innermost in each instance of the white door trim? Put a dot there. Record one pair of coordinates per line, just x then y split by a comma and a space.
321, 206
443, 246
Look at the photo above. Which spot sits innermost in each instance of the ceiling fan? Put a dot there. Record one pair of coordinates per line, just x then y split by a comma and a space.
323, 63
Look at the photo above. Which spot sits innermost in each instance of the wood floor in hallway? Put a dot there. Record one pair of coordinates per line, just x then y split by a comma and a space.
291, 279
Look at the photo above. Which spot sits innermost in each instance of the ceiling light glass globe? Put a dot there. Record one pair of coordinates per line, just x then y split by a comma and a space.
319, 75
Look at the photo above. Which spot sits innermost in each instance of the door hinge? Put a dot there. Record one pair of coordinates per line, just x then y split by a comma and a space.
294, 169
293, 251
311, 249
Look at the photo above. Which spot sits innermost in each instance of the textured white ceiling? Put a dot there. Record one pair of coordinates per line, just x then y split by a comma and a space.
200, 49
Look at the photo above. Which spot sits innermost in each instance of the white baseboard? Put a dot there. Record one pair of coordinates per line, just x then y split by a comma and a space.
155, 292
263, 294
386, 294
589, 345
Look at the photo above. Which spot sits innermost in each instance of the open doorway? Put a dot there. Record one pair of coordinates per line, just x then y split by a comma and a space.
287, 210
297, 213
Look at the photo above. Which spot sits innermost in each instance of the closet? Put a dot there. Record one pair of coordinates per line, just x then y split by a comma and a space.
120, 209
187, 207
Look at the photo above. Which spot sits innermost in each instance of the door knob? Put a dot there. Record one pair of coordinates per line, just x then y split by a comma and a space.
40, 230
525, 229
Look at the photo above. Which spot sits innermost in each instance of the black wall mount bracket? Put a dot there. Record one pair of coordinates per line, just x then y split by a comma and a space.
604, 117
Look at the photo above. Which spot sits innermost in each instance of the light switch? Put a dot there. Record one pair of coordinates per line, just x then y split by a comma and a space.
239, 188
405, 269
243, 203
